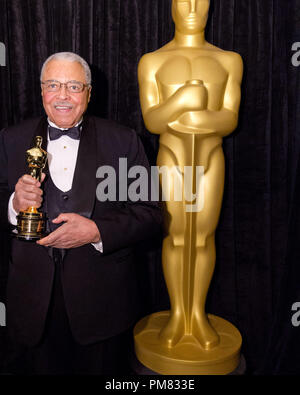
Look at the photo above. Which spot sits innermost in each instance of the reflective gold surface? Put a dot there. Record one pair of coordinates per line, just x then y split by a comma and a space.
36, 159
31, 222
190, 96
187, 358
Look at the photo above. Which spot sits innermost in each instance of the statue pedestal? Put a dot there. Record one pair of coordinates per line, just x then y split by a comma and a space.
187, 357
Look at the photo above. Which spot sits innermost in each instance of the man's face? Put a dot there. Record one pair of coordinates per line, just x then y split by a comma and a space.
64, 108
190, 16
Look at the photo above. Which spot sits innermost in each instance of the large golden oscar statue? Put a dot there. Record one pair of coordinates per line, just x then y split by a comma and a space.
190, 96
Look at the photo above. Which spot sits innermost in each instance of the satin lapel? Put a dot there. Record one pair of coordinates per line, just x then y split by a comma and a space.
84, 181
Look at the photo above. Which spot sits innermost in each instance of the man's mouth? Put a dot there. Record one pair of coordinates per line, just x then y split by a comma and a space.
63, 107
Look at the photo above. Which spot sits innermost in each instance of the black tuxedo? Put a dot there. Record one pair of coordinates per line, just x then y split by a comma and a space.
100, 290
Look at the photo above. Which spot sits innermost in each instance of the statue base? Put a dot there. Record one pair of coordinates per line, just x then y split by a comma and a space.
31, 225
138, 369
187, 357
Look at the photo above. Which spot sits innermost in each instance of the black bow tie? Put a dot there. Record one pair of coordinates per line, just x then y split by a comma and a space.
55, 133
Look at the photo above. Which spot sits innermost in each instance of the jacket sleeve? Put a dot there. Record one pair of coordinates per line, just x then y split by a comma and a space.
4, 189
131, 222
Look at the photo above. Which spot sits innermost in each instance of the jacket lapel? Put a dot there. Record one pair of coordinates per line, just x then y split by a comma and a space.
84, 181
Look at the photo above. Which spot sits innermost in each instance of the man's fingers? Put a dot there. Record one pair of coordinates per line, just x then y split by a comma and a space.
52, 238
27, 199
74, 232
24, 204
27, 193
62, 218
27, 179
29, 188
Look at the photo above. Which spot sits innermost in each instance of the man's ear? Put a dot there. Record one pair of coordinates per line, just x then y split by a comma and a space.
90, 93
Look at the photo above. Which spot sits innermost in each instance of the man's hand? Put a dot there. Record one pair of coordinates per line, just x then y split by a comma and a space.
75, 232
27, 193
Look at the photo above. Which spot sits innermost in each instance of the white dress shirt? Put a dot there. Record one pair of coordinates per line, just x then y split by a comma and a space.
62, 157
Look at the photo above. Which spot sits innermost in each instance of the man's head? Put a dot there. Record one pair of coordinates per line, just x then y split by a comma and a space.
65, 103
190, 16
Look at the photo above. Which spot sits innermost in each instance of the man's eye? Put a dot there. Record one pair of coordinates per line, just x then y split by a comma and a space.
53, 86
74, 87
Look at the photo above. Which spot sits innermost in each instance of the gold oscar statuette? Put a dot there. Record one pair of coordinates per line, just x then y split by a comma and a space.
31, 222
190, 96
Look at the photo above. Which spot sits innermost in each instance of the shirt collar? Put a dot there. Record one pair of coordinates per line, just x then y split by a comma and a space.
57, 127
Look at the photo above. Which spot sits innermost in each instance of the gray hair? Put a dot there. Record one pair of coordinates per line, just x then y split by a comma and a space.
71, 57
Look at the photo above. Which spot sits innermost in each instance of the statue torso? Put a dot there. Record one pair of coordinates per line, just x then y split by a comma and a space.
182, 65
174, 69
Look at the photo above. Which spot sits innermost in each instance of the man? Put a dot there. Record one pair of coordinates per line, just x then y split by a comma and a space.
73, 294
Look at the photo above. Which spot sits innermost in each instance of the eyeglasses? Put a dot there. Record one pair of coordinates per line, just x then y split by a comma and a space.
71, 86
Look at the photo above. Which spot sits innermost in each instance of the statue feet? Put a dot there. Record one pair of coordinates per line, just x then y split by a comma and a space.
204, 333
201, 330
171, 334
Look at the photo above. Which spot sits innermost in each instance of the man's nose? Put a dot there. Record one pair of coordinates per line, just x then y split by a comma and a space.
63, 92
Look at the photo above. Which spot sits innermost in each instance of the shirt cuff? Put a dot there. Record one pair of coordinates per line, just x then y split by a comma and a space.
98, 246
11, 213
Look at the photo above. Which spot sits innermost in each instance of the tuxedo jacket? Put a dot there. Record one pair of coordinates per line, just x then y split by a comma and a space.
100, 289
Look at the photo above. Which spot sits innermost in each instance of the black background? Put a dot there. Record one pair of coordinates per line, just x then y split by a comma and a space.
256, 277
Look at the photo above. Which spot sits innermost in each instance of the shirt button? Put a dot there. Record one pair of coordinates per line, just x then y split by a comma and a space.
65, 197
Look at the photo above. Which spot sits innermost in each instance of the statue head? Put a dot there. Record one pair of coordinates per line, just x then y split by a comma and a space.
38, 141
190, 16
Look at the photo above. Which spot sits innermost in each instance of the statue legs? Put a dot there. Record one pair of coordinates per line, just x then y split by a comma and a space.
174, 273
189, 260
186, 340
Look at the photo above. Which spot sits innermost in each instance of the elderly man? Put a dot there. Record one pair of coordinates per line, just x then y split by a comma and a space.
72, 295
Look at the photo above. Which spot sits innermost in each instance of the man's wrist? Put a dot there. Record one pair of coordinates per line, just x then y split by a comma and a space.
97, 241
13, 204
97, 237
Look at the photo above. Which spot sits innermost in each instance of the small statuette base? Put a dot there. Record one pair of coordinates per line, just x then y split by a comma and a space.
31, 226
